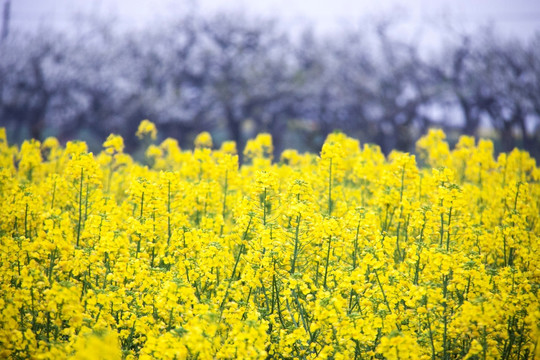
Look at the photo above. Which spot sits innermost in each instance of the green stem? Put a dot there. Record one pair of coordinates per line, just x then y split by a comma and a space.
327, 261
86, 204
80, 209
431, 338
140, 220
441, 231
142, 206
330, 189
278, 303
238, 256
382, 291
264, 207
154, 240
169, 233
419, 251
484, 343
517, 195
225, 189
109, 178
354, 256
53, 194
296, 244
302, 313
445, 316
26, 234
448, 230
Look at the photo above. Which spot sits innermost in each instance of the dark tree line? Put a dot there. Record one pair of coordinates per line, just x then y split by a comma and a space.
235, 76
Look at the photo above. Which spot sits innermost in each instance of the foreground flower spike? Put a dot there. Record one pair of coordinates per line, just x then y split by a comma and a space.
146, 128
203, 140
346, 255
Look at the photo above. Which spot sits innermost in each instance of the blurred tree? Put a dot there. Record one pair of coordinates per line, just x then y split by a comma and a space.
172, 77
248, 74
456, 73
320, 79
233, 74
25, 94
402, 88
512, 81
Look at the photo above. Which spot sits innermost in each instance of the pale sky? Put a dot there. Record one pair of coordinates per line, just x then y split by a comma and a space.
513, 17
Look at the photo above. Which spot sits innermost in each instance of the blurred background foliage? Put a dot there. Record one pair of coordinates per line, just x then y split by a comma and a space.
236, 75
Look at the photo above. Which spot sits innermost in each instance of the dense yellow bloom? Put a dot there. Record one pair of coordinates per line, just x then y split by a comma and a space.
147, 128
204, 139
114, 144
346, 255
97, 347
433, 149
259, 150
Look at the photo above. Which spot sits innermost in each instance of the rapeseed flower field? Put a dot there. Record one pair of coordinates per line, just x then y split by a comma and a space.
343, 255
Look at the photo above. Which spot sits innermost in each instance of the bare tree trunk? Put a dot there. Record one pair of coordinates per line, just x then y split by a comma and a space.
530, 143
507, 138
235, 131
278, 128
471, 121
5, 19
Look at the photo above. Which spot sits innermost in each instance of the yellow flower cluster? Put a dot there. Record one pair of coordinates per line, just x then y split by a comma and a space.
346, 255
146, 128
